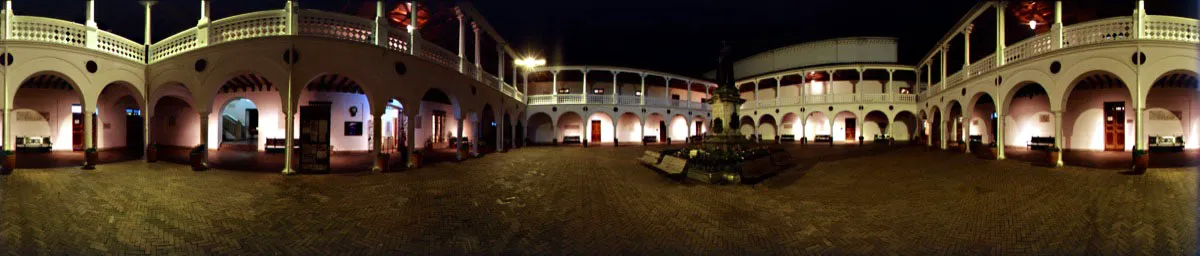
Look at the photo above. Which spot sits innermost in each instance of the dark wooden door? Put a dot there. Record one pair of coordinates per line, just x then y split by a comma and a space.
314, 138
595, 131
698, 126
1114, 126
252, 123
850, 132
134, 134
77, 131
662, 131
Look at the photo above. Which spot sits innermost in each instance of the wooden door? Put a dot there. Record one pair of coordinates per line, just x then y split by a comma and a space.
698, 126
252, 123
134, 138
315, 148
850, 132
595, 131
662, 131
77, 131
1114, 126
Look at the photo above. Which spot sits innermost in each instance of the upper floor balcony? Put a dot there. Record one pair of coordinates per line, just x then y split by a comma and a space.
937, 77
287, 22
831, 84
600, 85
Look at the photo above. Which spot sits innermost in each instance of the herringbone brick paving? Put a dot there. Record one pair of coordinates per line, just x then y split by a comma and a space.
570, 200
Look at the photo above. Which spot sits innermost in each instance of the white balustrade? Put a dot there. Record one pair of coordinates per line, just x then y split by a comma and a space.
815, 99
1027, 48
1098, 31
542, 100
246, 26
599, 99
906, 98
789, 101
570, 99
1171, 28
38, 29
842, 98
398, 40
439, 55
120, 46
507, 90
337, 26
176, 44
982, 66
629, 99
954, 79
874, 97
677, 103
767, 103
656, 102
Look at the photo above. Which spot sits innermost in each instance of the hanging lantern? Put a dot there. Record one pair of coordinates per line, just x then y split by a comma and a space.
1033, 13
399, 16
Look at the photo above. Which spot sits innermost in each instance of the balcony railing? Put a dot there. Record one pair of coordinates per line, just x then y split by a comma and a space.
1155, 27
599, 99
609, 99
310, 23
629, 100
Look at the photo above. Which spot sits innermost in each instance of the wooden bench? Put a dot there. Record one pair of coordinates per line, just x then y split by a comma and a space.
975, 139
1166, 143
277, 145
571, 140
1040, 142
823, 138
787, 138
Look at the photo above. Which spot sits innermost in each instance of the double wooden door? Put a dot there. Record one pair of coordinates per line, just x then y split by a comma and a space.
1114, 126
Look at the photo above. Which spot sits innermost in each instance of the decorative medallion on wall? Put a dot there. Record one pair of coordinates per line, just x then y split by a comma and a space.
1138, 58
291, 56
668, 111
92, 66
553, 109
1055, 67
200, 65
999, 80
7, 59
756, 112
777, 111
401, 69
802, 110
860, 107
615, 109
585, 108
353, 111
689, 113
643, 110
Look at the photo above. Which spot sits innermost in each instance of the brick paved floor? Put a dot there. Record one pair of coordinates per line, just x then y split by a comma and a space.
571, 200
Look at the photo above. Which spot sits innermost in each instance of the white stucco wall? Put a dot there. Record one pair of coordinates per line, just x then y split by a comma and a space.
56, 108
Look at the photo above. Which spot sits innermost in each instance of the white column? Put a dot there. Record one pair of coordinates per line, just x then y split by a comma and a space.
1000, 116
967, 49
945, 49
1056, 33
500, 125
146, 31
203, 132
585, 92
8, 17
553, 83
966, 129
458, 135
642, 97
478, 55
614, 93
689, 96
202, 24
778, 85
413, 30
381, 24
943, 129
1139, 19
1058, 134
377, 137
91, 39
500, 64
887, 89
667, 91
462, 39
289, 134
1000, 7
411, 137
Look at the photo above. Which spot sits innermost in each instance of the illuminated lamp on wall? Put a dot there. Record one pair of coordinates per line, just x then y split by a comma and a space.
564, 91
597, 91
638, 93
76, 109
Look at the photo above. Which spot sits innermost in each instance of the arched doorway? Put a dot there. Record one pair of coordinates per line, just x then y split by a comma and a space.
767, 128
875, 125
599, 128
1097, 109
904, 126
488, 130
954, 125
983, 123
655, 127
679, 128
238, 124
935, 127
48, 122
1173, 111
541, 129
120, 122
437, 120
570, 128
332, 126
817, 123
629, 128
846, 127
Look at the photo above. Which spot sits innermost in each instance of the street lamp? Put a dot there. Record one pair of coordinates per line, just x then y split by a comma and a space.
530, 62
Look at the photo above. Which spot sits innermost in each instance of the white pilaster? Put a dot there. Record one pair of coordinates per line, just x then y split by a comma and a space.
1000, 7
462, 39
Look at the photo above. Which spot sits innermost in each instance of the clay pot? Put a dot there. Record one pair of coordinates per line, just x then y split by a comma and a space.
197, 161
151, 154
1141, 162
90, 159
381, 162
1052, 158
10, 164
415, 159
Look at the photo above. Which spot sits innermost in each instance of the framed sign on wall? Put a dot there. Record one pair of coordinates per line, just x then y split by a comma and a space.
354, 128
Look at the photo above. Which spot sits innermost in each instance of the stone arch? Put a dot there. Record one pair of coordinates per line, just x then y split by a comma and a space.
1023, 78
1155, 69
875, 124
840, 125
904, 126
788, 125
1084, 112
1121, 70
1175, 96
349, 102
74, 75
747, 127
678, 125
541, 128
767, 128
606, 126
656, 125
51, 94
1027, 114
569, 124
817, 123
118, 104
629, 127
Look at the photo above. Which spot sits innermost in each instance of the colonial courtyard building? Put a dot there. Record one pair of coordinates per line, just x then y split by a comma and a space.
307, 84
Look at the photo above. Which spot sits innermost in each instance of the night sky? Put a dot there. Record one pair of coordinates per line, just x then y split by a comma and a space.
675, 36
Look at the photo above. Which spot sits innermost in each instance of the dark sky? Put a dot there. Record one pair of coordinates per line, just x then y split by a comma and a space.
676, 36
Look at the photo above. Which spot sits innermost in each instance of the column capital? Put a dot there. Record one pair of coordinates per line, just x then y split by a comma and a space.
967, 30
459, 13
475, 27
148, 3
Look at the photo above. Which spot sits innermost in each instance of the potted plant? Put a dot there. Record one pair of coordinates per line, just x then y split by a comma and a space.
962, 146
992, 147
616, 142
1141, 160
197, 156
10, 162
415, 159
90, 157
381, 162
152, 153
1052, 156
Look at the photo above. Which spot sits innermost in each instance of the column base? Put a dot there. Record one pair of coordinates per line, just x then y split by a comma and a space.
288, 171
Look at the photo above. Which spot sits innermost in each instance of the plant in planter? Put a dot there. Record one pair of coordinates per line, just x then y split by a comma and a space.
992, 147
1141, 160
1052, 156
381, 162
90, 157
152, 153
415, 160
197, 156
10, 162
